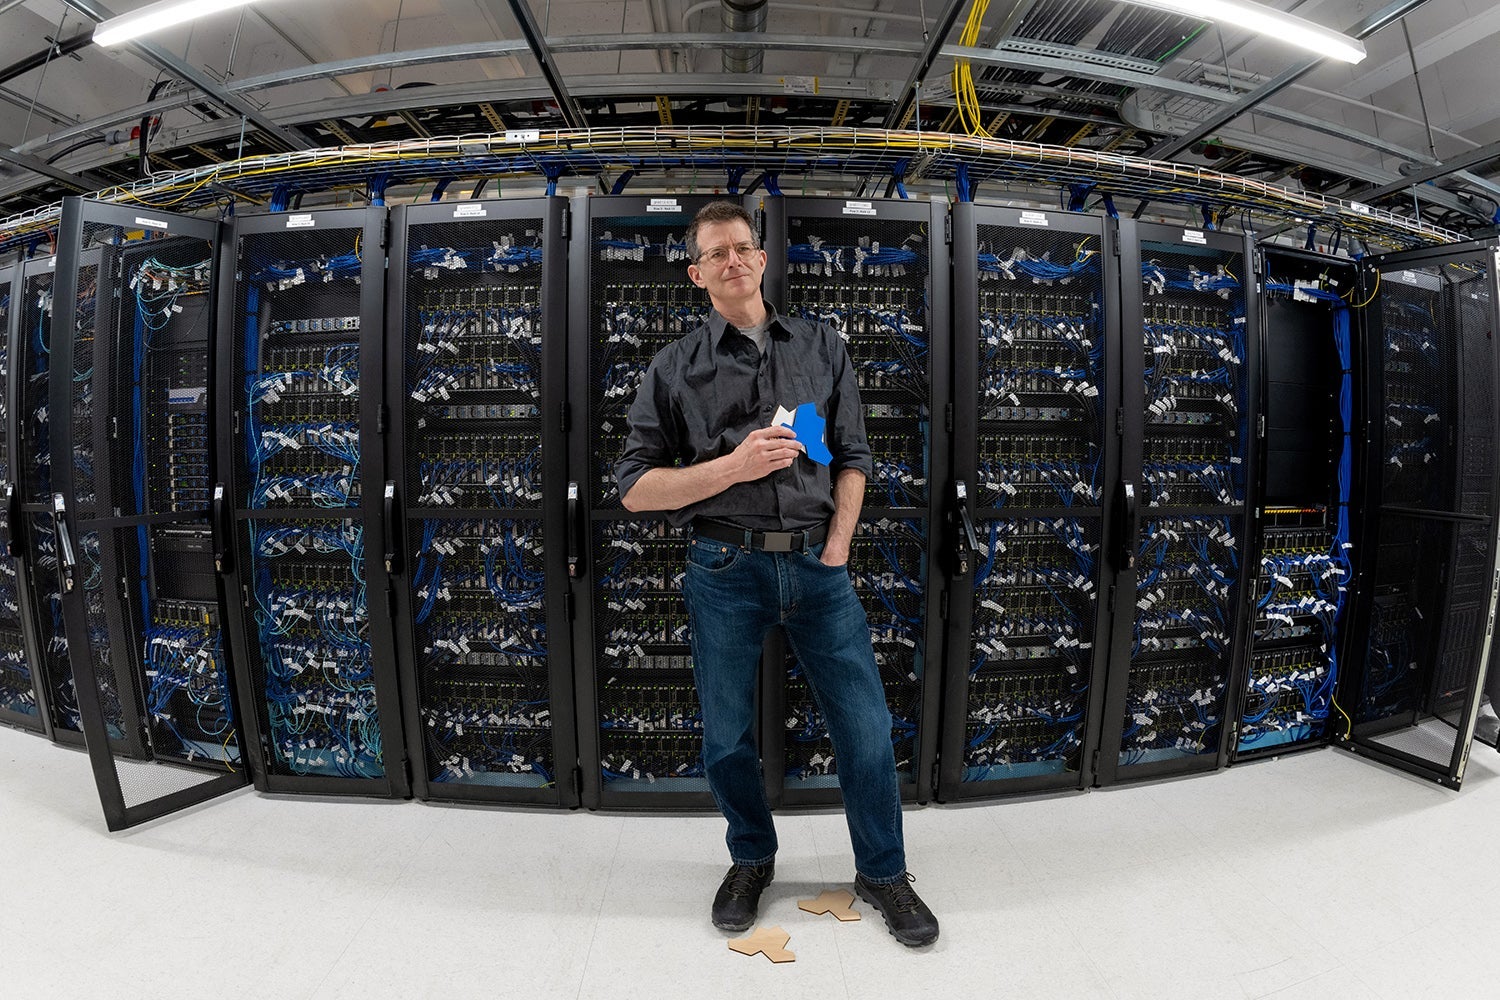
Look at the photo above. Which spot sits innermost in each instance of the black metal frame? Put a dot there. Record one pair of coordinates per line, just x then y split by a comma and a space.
964, 512
552, 512
29, 504
11, 285
1347, 272
234, 519
778, 214
104, 515
582, 515
1358, 737
1130, 505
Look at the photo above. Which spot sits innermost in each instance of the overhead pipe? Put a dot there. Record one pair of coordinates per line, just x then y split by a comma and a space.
744, 16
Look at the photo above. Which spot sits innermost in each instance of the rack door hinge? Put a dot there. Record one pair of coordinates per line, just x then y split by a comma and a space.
578, 781
569, 606
385, 231
567, 222
1260, 426
1111, 598
943, 604
1094, 765
948, 417
383, 418
935, 766
1120, 421
947, 228
564, 418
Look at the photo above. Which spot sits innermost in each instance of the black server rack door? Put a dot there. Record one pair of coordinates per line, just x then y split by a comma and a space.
478, 315
640, 727
1302, 551
20, 701
1429, 588
1034, 455
31, 369
877, 272
143, 604
1188, 363
302, 464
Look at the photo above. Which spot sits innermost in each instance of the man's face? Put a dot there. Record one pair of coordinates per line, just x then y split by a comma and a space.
729, 276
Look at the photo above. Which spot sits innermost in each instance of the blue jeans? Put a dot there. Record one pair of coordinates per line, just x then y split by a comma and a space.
734, 596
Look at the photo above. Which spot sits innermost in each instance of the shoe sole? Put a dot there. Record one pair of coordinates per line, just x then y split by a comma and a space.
910, 942
735, 927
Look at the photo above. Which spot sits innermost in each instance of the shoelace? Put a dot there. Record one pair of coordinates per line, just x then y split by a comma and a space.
741, 881
903, 896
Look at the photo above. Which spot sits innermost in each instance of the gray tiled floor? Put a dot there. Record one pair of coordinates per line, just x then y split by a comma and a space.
1316, 876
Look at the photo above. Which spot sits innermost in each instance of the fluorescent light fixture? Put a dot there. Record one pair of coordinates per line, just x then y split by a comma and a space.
156, 16
1267, 21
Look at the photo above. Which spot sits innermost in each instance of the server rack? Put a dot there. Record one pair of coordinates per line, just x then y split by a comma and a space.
298, 501
878, 272
1036, 361
142, 602
32, 510
1302, 526
21, 702
1187, 306
1428, 578
475, 380
639, 726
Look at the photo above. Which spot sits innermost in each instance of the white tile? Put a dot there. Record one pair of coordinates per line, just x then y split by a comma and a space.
1255, 882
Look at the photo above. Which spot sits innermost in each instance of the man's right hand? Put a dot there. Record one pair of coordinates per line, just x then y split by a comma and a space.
764, 451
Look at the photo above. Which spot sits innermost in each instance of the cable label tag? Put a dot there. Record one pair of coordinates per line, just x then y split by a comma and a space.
150, 223
302, 221
522, 134
663, 205
858, 208
1194, 236
1034, 219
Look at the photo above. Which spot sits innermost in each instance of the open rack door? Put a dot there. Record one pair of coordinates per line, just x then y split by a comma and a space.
1428, 580
142, 603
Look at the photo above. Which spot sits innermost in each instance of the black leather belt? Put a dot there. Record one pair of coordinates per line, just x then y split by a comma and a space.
766, 541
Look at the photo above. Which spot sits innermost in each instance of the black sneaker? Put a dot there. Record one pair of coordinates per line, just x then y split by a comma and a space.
909, 919
739, 895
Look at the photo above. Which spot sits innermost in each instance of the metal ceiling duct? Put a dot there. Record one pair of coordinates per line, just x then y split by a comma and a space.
744, 15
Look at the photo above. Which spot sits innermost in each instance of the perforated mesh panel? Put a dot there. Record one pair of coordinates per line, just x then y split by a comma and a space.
311, 647
1187, 571
473, 377
297, 357
34, 460
640, 301
52, 636
1419, 368
650, 724
17, 686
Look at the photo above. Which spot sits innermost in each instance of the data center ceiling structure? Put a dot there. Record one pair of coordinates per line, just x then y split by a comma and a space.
1414, 128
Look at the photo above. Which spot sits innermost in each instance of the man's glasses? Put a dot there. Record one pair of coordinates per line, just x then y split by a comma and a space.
719, 256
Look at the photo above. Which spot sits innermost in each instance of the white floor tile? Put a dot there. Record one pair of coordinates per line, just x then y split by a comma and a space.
1317, 875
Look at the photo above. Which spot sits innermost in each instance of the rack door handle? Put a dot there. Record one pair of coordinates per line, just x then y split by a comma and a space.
967, 543
575, 532
1130, 525
67, 561
220, 530
392, 528
13, 519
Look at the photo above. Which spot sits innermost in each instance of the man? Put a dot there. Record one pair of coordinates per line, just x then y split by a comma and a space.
769, 545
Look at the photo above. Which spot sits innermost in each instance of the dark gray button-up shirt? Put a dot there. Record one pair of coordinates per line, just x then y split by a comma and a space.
706, 392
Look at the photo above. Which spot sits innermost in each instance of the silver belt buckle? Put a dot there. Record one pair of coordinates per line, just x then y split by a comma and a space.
777, 541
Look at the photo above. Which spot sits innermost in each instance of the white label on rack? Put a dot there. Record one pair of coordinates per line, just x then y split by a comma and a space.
303, 221
858, 208
1034, 219
1410, 277
1194, 236
141, 220
663, 205
522, 135
1360, 207
470, 211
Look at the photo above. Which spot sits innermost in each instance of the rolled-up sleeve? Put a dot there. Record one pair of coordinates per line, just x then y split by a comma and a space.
651, 442
846, 415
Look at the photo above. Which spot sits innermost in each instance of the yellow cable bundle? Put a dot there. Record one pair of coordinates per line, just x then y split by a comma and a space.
965, 97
